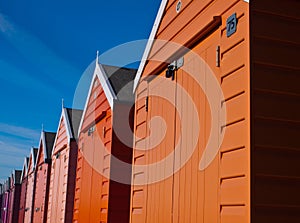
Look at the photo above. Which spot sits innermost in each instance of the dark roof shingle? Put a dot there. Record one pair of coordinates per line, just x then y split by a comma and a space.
17, 175
49, 138
74, 116
121, 80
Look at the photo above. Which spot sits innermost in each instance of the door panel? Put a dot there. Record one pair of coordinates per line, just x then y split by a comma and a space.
161, 104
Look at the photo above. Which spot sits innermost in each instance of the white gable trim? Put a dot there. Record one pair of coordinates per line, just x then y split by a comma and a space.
99, 72
67, 124
86, 103
63, 115
157, 22
107, 88
25, 167
33, 158
43, 143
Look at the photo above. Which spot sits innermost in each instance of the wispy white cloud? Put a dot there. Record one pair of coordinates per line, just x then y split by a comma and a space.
37, 52
15, 144
4, 173
19, 131
12, 157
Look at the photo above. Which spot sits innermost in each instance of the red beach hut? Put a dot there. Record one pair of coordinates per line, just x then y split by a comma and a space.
30, 186
63, 171
15, 192
6, 201
43, 167
24, 181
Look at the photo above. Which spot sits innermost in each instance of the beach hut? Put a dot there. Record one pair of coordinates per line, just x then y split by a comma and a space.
6, 201
24, 181
223, 77
99, 196
63, 171
42, 171
1, 199
31, 178
15, 192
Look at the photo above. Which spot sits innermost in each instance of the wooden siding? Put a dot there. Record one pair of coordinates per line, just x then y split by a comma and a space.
91, 191
139, 193
180, 28
275, 44
234, 175
23, 199
62, 179
14, 203
221, 192
98, 198
42, 188
30, 191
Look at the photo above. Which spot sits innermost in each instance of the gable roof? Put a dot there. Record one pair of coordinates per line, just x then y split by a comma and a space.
34, 152
74, 118
150, 42
121, 80
25, 167
47, 141
116, 82
17, 176
71, 118
33, 156
7, 184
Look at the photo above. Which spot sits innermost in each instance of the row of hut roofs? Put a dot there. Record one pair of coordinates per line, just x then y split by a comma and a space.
253, 176
44, 190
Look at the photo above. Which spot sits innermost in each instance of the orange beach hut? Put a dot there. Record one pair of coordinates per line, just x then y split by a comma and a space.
222, 76
99, 197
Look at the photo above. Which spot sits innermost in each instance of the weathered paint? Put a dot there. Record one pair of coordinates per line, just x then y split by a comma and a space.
97, 198
43, 167
63, 171
23, 190
30, 186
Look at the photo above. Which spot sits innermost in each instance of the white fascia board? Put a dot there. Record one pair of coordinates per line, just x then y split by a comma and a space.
67, 124
25, 168
42, 143
157, 22
33, 158
64, 116
99, 72
106, 86
86, 103
60, 119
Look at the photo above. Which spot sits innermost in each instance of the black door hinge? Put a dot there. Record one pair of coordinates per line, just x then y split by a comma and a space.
218, 56
146, 103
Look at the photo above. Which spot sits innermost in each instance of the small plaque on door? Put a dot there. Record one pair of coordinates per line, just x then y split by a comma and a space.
231, 25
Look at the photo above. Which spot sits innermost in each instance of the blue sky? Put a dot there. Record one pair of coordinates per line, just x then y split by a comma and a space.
45, 48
